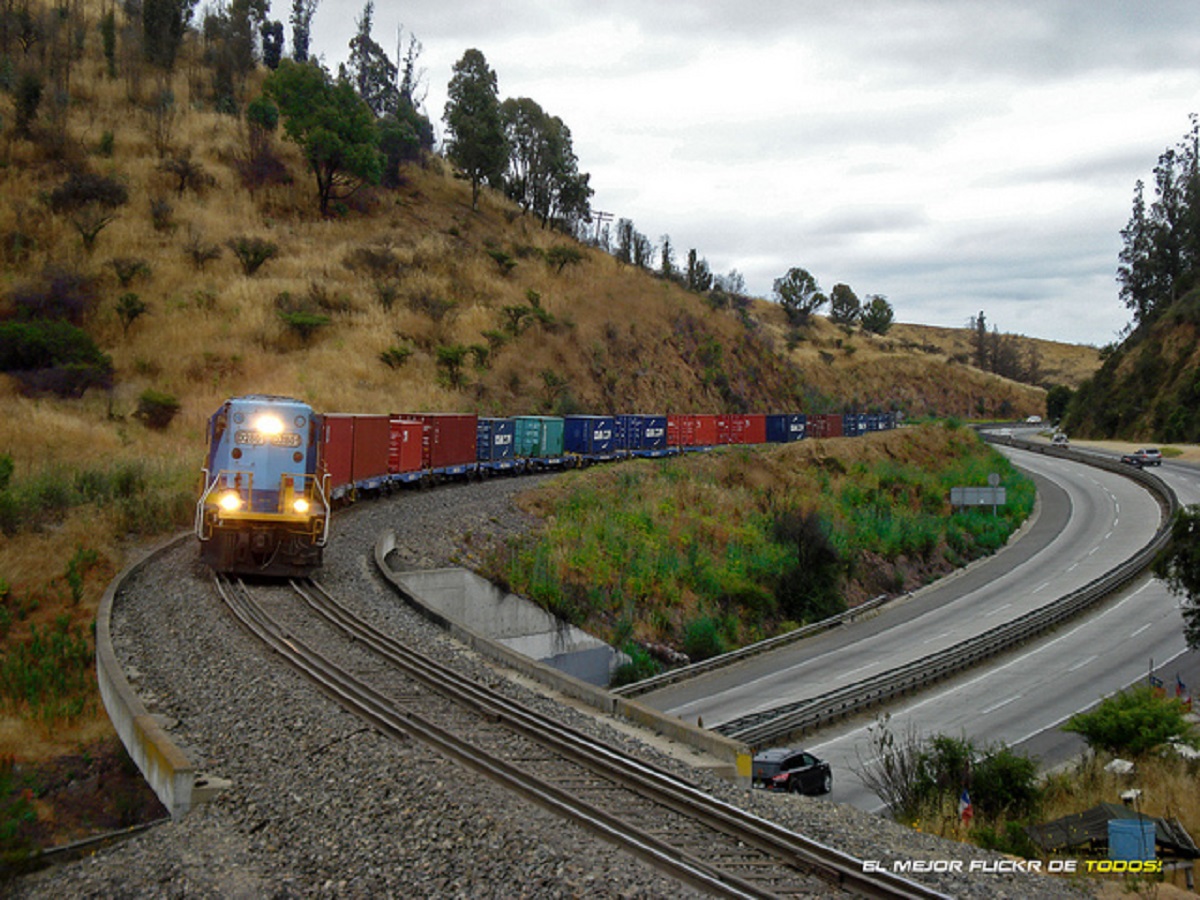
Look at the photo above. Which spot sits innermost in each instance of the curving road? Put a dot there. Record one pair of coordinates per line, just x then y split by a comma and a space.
1023, 698
1088, 521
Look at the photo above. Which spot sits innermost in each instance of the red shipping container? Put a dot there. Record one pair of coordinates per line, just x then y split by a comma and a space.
676, 431
742, 429
370, 462
338, 449
450, 438
691, 430
406, 441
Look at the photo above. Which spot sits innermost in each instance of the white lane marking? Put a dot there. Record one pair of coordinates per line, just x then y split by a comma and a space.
942, 695
1082, 663
937, 637
1040, 588
861, 668
1140, 630
998, 609
996, 706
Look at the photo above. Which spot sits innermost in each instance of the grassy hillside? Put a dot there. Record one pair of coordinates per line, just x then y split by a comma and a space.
1148, 387
713, 551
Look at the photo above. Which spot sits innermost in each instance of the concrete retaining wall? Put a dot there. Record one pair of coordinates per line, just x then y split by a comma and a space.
165, 767
734, 754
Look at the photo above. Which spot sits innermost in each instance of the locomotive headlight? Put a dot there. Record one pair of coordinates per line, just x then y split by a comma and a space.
268, 424
230, 501
300, 506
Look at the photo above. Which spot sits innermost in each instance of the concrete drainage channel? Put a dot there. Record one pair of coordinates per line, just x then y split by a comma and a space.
438, 595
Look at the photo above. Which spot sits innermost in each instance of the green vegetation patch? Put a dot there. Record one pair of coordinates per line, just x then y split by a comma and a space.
709, 552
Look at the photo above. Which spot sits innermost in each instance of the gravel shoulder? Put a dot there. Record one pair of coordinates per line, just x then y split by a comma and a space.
320, 805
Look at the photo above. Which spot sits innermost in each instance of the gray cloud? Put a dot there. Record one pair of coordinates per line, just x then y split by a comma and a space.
951, 154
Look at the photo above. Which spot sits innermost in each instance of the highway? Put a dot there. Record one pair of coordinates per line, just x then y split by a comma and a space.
1088, 521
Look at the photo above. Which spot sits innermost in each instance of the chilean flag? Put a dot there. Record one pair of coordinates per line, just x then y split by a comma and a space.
965, 809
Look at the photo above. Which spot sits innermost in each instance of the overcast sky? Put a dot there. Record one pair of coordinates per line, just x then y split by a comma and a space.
956, 157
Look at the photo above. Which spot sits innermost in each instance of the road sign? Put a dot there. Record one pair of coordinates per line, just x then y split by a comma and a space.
978, 496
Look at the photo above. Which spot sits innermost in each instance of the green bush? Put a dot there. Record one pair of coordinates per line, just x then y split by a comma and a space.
156, 410
641, 665
252, 253
45, 344
1133, 722
702, 639
1004, 783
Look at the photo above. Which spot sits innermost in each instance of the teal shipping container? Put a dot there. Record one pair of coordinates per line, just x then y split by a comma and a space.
538, 436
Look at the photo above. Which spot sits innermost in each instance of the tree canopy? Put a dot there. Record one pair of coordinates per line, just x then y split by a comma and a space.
877, 314
1179, 566
543, 171
799, 295
1161, 257
332, 125
844, 306
1134, 721
476, 131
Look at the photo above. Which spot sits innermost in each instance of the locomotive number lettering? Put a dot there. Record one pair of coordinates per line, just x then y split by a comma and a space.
258, 439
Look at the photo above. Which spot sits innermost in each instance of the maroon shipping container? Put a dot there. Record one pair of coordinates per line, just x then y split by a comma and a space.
450, 439
356, 450
406, 441
338, 450
742, 429
825, 425
691, 430
370, 463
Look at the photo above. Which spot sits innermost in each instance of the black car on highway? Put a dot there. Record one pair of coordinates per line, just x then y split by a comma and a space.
788, 769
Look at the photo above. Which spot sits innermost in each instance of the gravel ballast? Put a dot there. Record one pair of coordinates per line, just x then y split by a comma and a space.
320, 804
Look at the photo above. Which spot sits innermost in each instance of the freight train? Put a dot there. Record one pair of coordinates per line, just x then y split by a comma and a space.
276, 467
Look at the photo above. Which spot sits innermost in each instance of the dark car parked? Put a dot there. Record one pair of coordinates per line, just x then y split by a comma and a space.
788, 769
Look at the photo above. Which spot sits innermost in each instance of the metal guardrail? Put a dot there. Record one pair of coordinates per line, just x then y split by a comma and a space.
672, 676
782, 721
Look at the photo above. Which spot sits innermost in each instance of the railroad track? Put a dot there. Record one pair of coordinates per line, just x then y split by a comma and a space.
647, 811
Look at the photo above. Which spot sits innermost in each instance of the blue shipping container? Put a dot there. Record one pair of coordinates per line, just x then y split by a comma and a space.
592, 435
640, 433
784, 428
1131, 839
494, 440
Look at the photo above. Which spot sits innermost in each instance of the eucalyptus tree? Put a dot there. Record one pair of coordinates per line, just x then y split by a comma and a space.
301, 19
332, 125
877, 314
844, 306
476, 131
370, 70
799, 295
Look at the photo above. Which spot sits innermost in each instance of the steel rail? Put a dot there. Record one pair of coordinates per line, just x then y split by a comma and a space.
787, 720
381, 712
647, 780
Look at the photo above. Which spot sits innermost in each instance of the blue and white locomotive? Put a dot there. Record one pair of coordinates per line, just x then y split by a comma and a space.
264, 508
